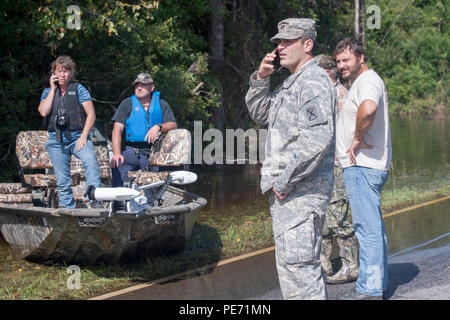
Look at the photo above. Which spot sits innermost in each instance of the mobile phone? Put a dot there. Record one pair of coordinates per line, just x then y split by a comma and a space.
276, 61
56, 80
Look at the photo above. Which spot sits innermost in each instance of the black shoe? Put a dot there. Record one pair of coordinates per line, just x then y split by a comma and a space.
355, 295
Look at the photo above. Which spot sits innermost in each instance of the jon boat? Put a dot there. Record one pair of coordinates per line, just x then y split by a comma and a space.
37, 230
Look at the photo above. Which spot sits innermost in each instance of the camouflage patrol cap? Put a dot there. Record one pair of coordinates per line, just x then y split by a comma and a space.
144, 78
325, 62
294, 28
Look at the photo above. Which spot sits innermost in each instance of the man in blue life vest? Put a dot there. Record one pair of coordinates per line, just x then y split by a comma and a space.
144, 116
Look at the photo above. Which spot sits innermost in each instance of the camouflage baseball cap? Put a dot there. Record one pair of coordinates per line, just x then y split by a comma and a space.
294, 28
144, 78
325, 62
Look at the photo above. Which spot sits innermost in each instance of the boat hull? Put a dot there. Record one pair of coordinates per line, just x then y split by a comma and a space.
47, 234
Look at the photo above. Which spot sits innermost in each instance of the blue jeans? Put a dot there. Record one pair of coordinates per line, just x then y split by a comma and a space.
363, 186
60, 154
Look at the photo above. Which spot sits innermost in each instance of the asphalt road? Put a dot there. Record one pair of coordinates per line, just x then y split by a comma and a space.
421, 274
419, 267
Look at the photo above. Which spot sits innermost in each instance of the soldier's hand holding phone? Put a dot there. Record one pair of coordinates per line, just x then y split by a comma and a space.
269, 64
277, 61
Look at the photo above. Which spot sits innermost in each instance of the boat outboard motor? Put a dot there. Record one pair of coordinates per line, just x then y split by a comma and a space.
162, 190
111, 194
176, 177
134, 201
118, 194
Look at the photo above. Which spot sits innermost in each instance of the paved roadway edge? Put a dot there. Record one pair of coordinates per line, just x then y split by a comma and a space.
227, 261
179, 275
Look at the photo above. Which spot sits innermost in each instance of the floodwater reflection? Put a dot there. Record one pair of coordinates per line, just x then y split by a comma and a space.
417, 226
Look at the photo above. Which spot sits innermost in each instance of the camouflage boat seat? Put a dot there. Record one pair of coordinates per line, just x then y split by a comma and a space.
15, 193
32, 156
171, 149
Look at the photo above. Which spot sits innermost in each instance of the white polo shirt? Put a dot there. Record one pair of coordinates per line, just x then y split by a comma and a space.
368, 86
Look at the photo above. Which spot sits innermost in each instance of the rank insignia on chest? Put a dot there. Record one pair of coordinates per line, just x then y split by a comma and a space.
136, 109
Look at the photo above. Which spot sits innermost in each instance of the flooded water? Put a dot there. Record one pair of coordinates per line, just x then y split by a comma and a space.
231, 191
417, 227
421, 155
420, 144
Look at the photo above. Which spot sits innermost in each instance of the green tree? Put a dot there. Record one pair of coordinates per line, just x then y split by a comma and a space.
410, 51
116, 41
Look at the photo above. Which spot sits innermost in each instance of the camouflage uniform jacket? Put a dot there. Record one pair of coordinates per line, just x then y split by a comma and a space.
300, 116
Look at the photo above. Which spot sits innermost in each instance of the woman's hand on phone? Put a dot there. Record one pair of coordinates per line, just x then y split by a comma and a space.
53, 81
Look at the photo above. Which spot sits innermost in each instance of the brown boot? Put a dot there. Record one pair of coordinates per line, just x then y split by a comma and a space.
348, 250
345, 274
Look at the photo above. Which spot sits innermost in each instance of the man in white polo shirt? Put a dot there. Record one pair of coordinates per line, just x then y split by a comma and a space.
363, 146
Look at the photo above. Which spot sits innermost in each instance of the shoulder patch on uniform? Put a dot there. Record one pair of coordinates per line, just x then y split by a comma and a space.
313, 115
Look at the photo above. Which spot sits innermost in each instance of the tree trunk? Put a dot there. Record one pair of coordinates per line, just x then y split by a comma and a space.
357, 19
360, 19
363, 22
216, 44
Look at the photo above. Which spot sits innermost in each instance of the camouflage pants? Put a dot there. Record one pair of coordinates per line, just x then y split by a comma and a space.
338, 225
336, 219
297, 248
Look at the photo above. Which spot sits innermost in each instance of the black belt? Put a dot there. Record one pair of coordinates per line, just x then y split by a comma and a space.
140, 148
139, 145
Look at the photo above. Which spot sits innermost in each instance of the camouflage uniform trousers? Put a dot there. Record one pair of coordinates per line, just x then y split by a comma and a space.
297, 249
338, 225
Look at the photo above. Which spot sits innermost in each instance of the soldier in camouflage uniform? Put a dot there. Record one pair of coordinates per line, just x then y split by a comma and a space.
299, 156
337, 222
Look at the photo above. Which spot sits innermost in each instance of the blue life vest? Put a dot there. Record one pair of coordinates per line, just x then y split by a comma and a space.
140, 122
